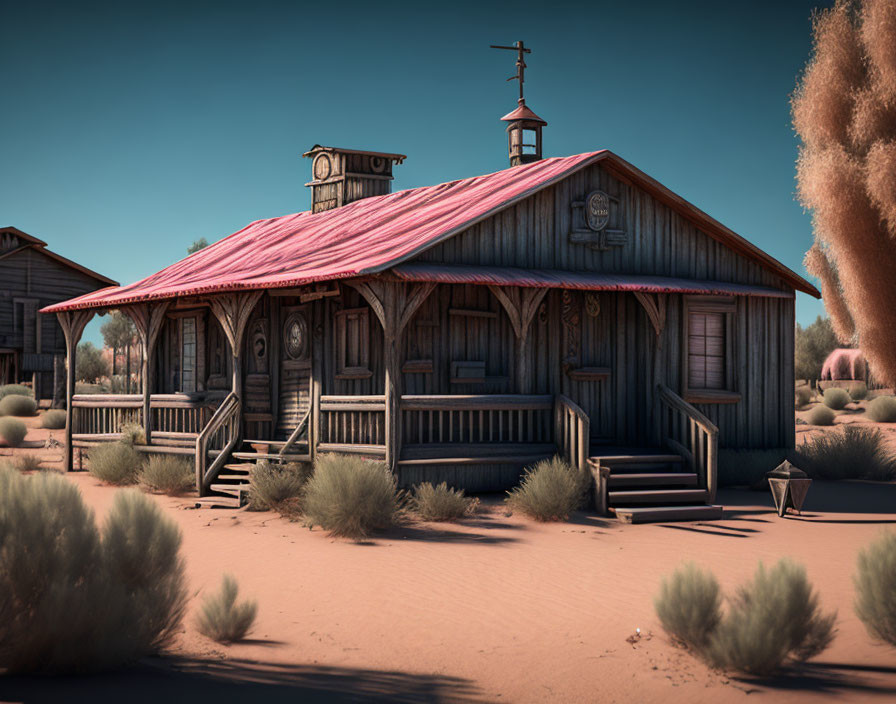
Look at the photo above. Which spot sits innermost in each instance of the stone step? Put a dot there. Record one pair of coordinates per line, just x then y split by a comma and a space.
656, 496
652, 479
657, 514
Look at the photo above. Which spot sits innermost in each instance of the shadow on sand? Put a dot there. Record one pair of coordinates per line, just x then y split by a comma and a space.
225, 681
827, 678
825, 497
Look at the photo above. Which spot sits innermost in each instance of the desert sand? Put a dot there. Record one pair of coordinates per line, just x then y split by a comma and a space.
494, 608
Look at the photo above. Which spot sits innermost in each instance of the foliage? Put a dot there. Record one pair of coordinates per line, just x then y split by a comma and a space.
813, 345
53, 420
168, 474
821, 415
844, 364
73, 598
17, 406
349, 496
221, 618
550, 491
739, 467
836, 398
201, 243
882, 409
771, 620
15, 389
803, 396
271, 484
133, 434
118, 334
439, 503
114, 463
28, 462
875, 583
89, 363
12, 431
689, 605
844, 110
854, 452
859, 392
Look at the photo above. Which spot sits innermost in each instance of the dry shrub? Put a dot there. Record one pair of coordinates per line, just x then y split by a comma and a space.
73, 599
772, 620
851, 453
53, 420
821, 415
550, 491
882, 409
875, 583
167, 474
803, 396
271, 485
15, 389
12, 431
689, 605
28, 463
133, 434
221, 618
115, 463
836, 398
15, 405
858, 392
349, 496
441, 503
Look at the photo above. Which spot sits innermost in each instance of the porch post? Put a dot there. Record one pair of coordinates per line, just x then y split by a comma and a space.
148, 319
72, 323
520, 305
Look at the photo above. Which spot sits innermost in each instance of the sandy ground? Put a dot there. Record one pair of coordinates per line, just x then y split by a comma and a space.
492, 609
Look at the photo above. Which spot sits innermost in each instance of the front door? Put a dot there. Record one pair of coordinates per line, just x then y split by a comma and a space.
295, 369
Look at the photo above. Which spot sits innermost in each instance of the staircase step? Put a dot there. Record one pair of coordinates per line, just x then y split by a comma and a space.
230, 489
653, 479
656, 514
645, 458
288, 457
241, 467
656, 496
244, 478
218, 502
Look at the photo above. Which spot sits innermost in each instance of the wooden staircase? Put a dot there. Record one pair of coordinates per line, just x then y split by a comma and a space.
645, 486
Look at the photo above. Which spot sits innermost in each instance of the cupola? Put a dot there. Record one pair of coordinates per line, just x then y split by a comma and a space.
523, 125
342, 176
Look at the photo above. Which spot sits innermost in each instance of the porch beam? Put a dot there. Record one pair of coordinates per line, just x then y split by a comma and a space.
520, 304
72, 323
654, 305
148, 319
232, 311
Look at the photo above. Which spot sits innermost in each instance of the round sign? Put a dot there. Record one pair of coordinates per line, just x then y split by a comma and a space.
322, 167
597, 210
296, 336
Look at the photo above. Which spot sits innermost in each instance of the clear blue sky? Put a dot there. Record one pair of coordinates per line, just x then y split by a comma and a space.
130, 129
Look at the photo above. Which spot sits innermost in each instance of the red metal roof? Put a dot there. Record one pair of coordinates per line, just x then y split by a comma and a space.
580, 280
522, 113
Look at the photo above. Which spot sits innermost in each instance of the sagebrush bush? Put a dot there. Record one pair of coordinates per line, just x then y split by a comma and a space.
854, 452
28, 463
836, 398
349, 496
549, 491
271, 484
12, 431
115, 463
882, 409
803, 396
53, 420
15, 405
133, 434
221, 618
772, 620
821, 415
168, 474
74, 599
859, 392
689, 605
441, 503
875, 582
16, 390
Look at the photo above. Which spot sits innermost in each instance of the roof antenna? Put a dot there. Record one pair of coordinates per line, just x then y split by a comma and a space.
521, 49
523, 125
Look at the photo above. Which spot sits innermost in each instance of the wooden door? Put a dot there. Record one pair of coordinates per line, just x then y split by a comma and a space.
295, 369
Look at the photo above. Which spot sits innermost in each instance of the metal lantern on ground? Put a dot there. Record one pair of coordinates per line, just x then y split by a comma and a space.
789, 487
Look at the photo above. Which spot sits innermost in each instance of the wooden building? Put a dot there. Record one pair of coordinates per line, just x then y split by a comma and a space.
32, 347
463, 331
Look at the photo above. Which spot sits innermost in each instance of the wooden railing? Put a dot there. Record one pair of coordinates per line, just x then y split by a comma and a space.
481, 418
572, 430
347, 421
687, 431
216, 441
296, 434
104, 414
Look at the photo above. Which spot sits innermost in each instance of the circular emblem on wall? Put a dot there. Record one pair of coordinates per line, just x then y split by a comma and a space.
597, 210
377, 164
322, 167
295, 337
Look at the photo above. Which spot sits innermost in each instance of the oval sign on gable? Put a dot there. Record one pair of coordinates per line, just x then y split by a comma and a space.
597, 210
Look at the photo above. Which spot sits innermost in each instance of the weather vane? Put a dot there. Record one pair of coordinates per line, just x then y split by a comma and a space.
520, 48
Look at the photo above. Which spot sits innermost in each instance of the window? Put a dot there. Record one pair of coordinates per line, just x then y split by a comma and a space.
708, 360
353, 344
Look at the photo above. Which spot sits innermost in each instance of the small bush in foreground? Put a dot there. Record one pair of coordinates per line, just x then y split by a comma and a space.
133, 434
836, 398
349, 496
114, 463
882, 409
28, 463
53, 420
15, 405
859, 392
803, 396
167, 474
15, 390
73, 599
221, 618
439, 503
821, 415
12, 431
875, 583
772, 620
550, 491
272, 484
689, 605
854, 452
